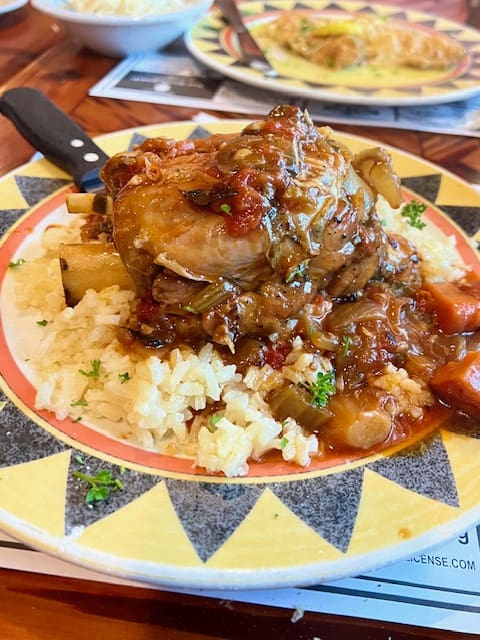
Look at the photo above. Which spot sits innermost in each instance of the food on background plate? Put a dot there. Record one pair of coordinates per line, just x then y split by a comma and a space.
339, 43
243, 296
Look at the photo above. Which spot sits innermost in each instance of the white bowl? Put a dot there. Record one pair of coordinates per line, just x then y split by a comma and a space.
123, 35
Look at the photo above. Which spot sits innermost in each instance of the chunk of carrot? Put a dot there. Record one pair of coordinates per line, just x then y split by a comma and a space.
457, 384
456, 309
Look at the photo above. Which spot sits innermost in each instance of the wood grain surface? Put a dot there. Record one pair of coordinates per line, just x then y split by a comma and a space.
35, 51
42, 607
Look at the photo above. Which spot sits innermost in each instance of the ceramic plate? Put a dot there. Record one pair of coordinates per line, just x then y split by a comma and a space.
213, 43
10, 5
173, 526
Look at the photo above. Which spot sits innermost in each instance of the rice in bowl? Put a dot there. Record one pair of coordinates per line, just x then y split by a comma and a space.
128, 8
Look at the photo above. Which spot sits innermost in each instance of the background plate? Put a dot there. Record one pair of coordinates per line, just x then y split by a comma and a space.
212, 42
173, 527
10, 5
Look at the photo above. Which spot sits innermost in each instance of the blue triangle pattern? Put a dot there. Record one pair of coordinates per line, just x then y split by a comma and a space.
9, 217
78, 512
328, 504
424, 469
468, 218
426, 186
200, 133
21, 440
35, 189
136, 139
210, 512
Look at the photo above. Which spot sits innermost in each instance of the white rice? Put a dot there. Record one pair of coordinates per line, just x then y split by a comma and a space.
440, 260
129, 8
148, 401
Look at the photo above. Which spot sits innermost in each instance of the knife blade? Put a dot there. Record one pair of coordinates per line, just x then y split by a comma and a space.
250, 51
53, 133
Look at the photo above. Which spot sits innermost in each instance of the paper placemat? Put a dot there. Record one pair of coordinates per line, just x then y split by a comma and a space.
173, 77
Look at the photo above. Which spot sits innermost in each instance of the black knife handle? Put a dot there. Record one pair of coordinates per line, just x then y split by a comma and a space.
50, 131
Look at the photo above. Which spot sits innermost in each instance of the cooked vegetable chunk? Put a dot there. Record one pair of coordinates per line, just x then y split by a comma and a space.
457, 310
357, 422
297, 403
458, 384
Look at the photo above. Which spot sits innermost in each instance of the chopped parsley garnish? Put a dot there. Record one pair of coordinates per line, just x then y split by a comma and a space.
347, 343
79, 403
297, 271
42, 323
283, 443
413, 212
305, 25
94, 372
189, 309
16, 263
213, 420
101, 485
226, 208
322, 388
79, 459
124, 377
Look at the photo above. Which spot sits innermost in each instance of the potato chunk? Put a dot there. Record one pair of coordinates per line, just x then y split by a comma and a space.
356, 423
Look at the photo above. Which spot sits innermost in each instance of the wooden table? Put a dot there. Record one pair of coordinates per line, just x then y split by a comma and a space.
34, 51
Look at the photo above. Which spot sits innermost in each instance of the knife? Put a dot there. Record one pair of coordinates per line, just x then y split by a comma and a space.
50, 131
250, 51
